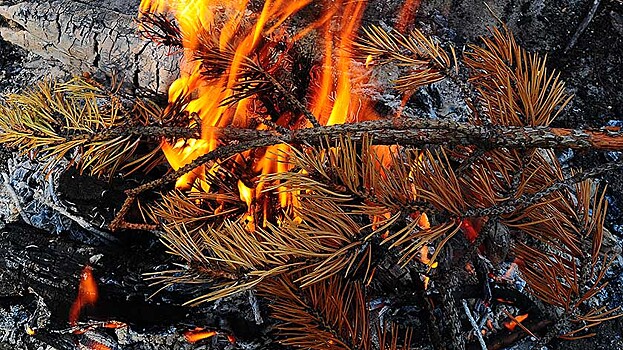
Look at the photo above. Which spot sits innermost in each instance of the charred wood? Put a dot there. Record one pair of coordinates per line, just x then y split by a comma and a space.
40, 275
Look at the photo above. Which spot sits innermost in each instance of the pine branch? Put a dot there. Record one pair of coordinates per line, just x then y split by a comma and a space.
324, 239
327, 315
80, 120
426, 60
160, 29
515, 86
227, 259
254, 76
407, 132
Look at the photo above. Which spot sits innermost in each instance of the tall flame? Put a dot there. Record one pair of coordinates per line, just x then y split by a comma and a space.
87, 294
335, 91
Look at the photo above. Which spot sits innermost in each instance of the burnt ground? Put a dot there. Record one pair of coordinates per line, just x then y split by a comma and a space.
592, 69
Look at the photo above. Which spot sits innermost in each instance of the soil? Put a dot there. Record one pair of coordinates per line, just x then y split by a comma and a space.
592, 68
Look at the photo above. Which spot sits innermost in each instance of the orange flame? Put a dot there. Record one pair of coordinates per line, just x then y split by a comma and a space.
246, 194
87, 294
98, 346
198, 334
513, 323
424, 257
335, 92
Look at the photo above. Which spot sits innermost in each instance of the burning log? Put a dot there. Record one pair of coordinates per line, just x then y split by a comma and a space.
284, 178
43, 278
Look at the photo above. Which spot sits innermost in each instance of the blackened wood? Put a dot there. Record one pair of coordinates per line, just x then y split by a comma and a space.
50, 266
36, 267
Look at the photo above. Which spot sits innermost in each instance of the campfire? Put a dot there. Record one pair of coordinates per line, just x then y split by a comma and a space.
293, 174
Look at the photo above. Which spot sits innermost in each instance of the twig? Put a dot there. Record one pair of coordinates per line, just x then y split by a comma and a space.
290, 98
77, 219
483, 345
419, 132
583, 25
512, 205
151, 132
15, 198
413, 132
219, 153
504, 341
520, 324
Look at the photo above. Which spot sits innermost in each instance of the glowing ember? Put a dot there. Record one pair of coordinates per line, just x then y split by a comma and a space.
114, 325
470, 231
198, 334
87, 294
513, 323
107, 324
98, 346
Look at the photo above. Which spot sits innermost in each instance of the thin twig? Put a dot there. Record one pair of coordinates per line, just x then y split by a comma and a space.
15, 198
77, 219
152, 131
583, 25
520, 324
512, 205
290, 98
468, 312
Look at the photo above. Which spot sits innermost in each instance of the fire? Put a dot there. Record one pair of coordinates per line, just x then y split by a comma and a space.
424, 257
334, 94
246, 194
198, 334
87, 294
515, 321
237, 28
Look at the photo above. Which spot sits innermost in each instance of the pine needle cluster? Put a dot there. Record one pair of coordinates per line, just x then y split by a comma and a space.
82, 120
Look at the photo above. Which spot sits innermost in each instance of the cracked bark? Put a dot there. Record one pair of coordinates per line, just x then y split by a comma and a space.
88, 36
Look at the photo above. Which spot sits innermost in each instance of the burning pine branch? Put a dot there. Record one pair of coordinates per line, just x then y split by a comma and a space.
289, 182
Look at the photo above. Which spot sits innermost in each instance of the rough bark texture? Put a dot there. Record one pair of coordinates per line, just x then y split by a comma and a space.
88, 36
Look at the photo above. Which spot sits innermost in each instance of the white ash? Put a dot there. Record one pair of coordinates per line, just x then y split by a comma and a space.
31, 191
9, 204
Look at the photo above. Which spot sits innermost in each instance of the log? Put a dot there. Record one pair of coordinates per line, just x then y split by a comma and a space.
88, 36
40, 274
